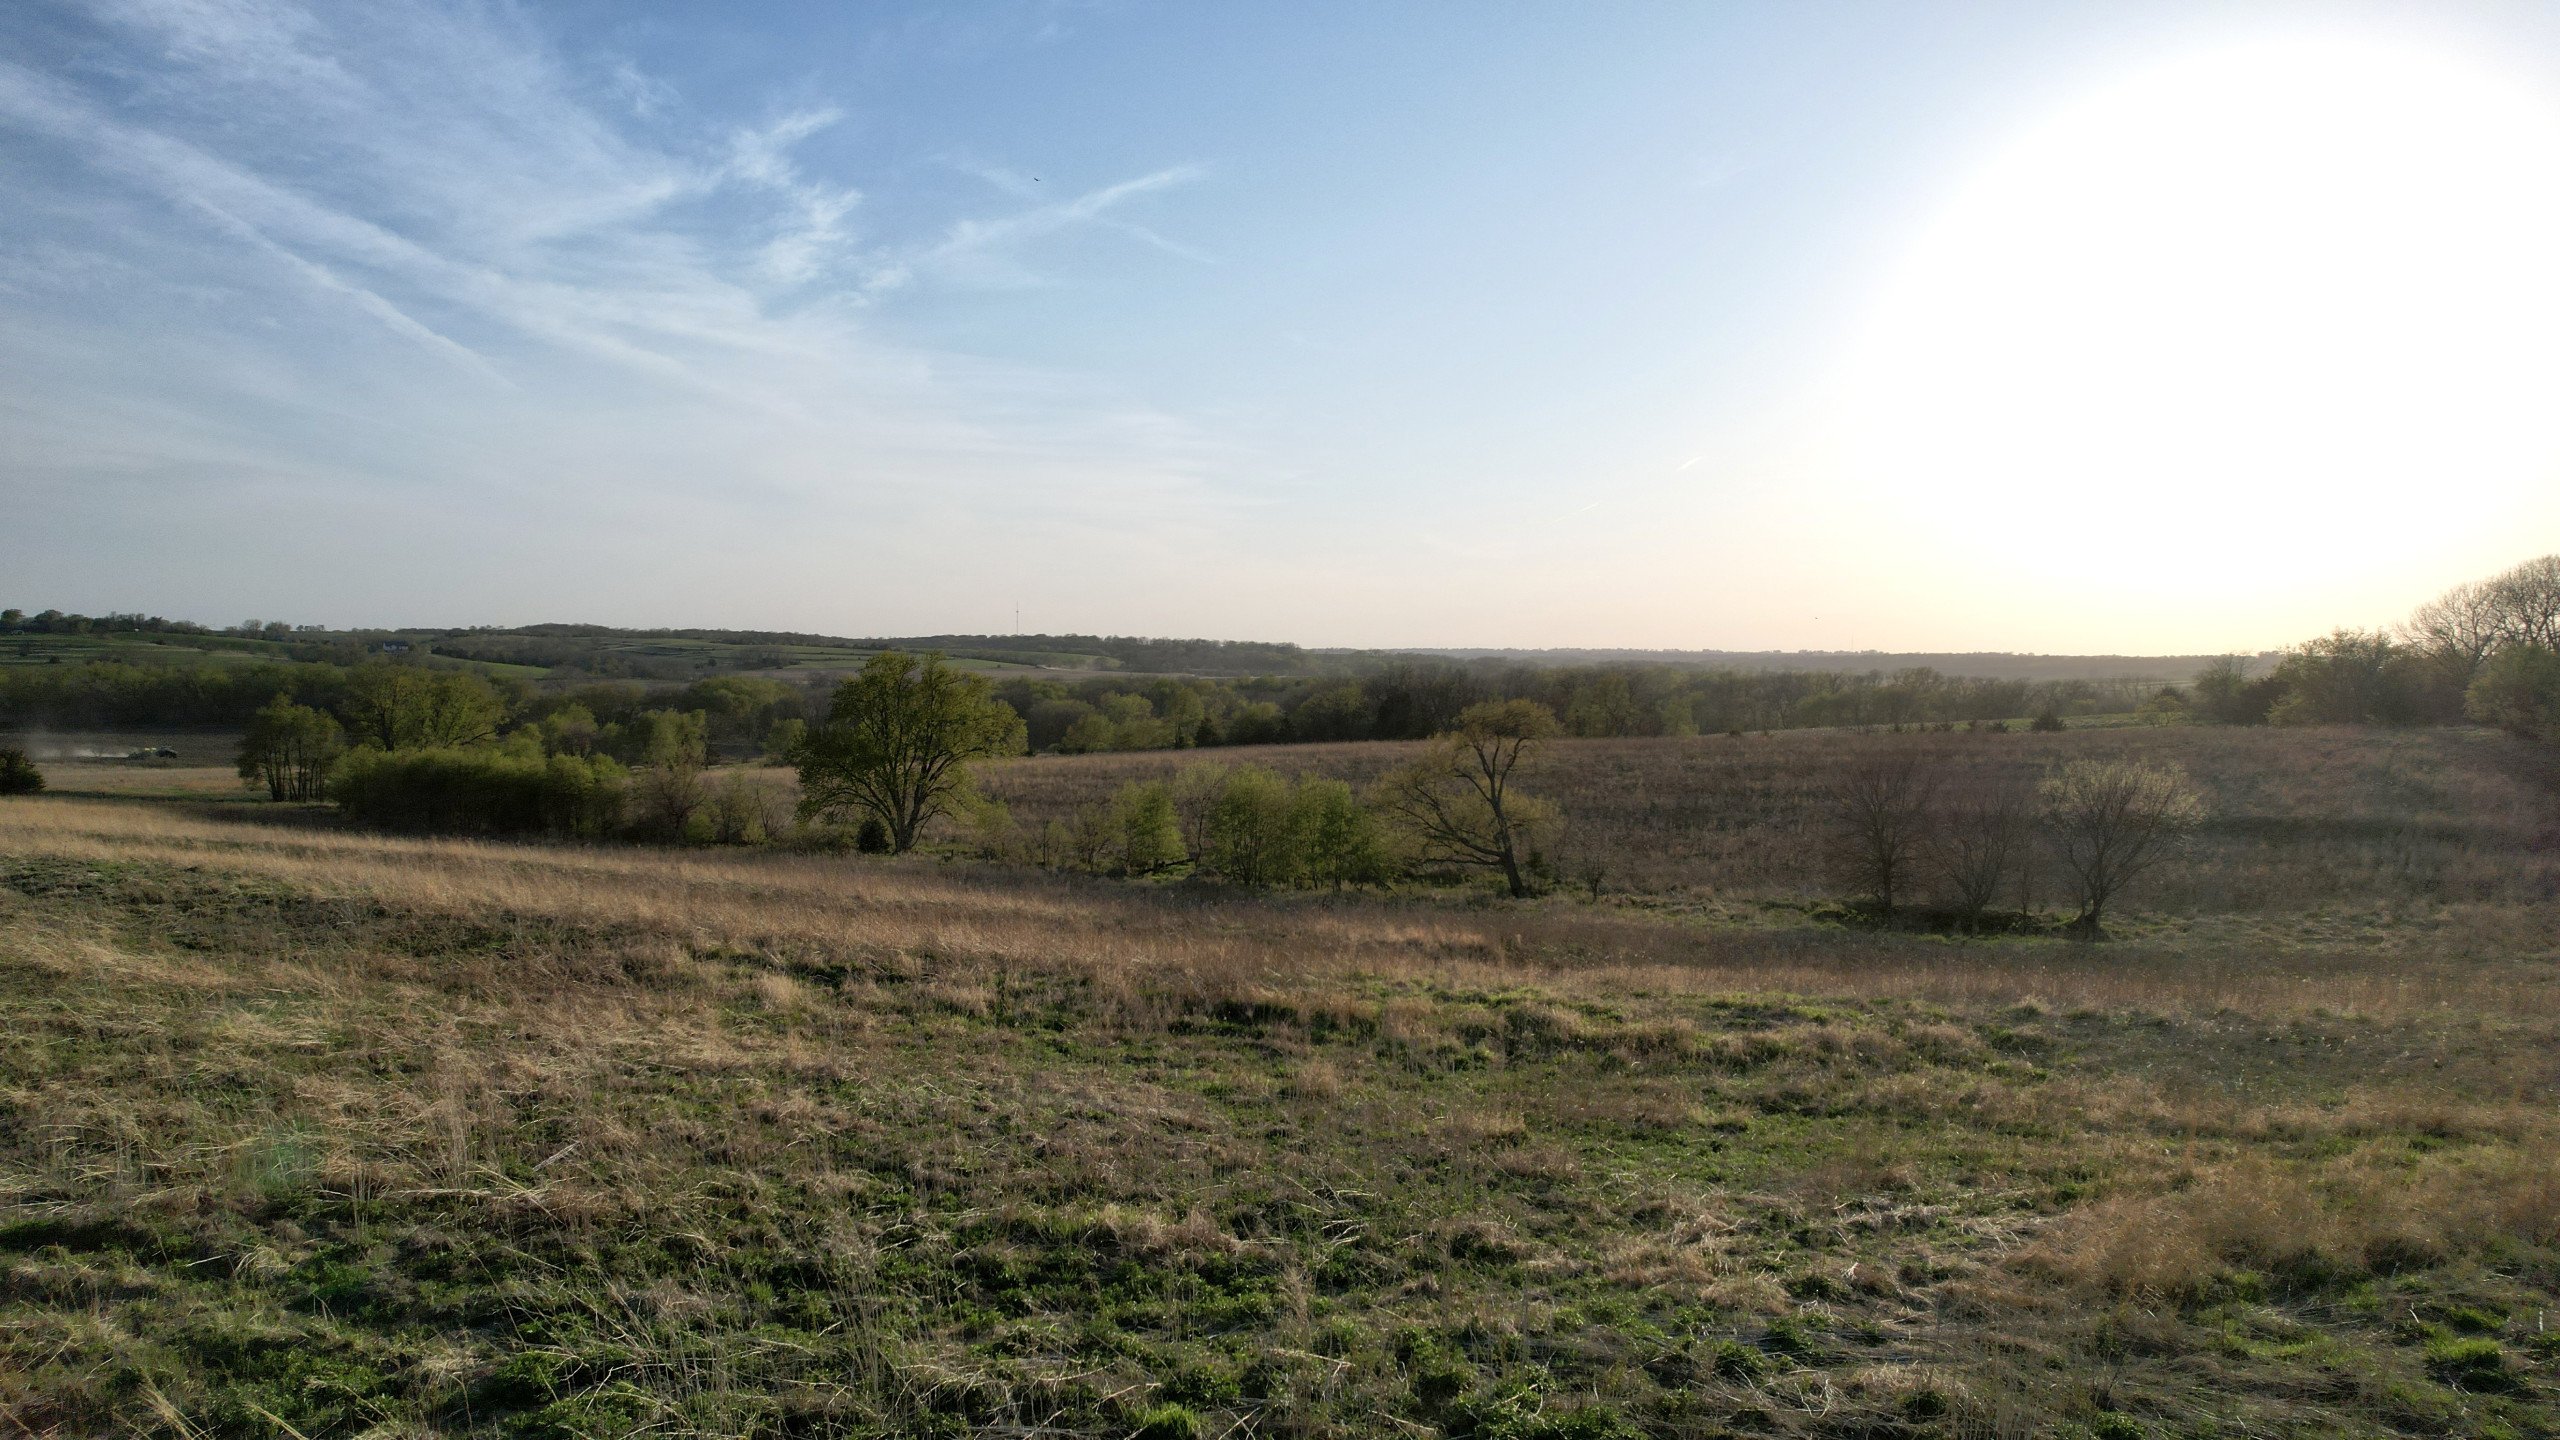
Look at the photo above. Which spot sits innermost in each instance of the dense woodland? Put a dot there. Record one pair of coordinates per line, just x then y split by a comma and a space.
1409, 700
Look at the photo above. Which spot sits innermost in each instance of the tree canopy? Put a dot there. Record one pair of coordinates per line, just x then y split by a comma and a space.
1457, 802
898, 741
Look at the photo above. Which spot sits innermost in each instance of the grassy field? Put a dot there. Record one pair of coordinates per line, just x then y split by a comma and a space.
679, 656
2388, 829
133, 649
310, 1132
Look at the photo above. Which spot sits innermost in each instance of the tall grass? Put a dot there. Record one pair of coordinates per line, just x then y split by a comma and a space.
359, 1134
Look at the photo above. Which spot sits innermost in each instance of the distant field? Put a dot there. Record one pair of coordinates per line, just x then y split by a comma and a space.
2303, 821
719, 657
134, 649
310, 1132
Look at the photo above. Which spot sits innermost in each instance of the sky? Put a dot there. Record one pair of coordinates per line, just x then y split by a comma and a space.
2130, 328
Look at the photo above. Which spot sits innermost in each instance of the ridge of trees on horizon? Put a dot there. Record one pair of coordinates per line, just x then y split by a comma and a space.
404, 744
2483, 651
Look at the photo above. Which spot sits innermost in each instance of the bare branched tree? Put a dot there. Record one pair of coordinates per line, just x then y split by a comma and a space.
2527, 602
2110, 820
2457, 630
1880, 808
1982, 838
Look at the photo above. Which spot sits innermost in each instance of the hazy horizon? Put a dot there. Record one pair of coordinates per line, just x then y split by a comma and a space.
2168, 329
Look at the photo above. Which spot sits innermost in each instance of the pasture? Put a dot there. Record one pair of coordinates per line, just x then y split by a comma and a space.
306, 1131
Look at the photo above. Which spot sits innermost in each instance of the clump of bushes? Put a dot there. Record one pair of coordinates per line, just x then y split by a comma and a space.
1245, 825
2518, 691
508, 789
18, 774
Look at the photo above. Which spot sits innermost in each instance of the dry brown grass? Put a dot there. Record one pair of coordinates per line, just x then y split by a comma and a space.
2370, 1213
955, 922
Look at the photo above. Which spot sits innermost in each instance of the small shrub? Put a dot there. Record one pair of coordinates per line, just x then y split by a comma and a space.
873, 837
1169, 1422
1737, 1361
2519, 691
18, 774
2470, 1363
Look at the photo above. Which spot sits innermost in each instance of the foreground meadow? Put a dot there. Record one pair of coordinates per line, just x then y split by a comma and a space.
310, 1132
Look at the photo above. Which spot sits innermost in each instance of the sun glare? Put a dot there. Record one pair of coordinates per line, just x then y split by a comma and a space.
2264, 302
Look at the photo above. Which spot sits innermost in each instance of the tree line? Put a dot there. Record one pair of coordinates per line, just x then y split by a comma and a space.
894, 754
895, 751
1405, 701
1419, 699
407, 746
2486, 651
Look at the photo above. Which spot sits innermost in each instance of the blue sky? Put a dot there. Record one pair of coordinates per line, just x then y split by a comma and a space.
1341, 323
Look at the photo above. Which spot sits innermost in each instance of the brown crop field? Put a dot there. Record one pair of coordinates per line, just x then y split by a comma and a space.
2300, 821
306, 1131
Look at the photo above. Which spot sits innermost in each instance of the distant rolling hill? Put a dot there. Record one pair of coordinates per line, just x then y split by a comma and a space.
535, 652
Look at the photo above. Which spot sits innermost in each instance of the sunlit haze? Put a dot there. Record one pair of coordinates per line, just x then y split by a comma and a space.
2139, 329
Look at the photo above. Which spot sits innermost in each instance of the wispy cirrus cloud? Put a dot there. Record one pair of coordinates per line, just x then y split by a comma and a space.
989, 250
813, 228
304, 203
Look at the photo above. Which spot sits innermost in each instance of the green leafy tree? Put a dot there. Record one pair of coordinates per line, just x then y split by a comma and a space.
289, 749
898, 742
2111, 820
1340, 842
671, 746
1256, 722
1049, 717
1146, 833
1185, 714
785, 738
1195, 796
1091, 734
1337, 712
2518, 690
1459, 801
1135, 725
403, 707
1602, 706
675, 739
1253, 837
569, 730
739, 709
